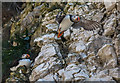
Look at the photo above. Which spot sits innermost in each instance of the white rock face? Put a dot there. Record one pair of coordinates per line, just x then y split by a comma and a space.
52, 27
82, 35
40, 80
94, 45
114, 72
110, 27
98, 17
73, 73
46, 78
101, 76
39, 71
77, 47
73, 58
109, 3
83, 74
80, 47
106, 75
47, 61
117, 47
107, 56
92, 62
46, 53
45, 38
50, 17
107, 78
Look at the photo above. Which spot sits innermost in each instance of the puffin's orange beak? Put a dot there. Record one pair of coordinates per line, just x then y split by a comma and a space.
60, 33
28, 55
78, 18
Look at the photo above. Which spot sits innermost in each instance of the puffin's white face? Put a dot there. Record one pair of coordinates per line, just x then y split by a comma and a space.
75, 18
25, 56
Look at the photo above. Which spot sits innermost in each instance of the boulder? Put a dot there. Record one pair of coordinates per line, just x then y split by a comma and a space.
46, 78
48, 61
52, 27
109, 26
92, 63
107, 56
114, 72
97, 43
98, 17
73, 73
48, 38
75, 58
101, 76
109, 5
77, 47
47, 51
117, 47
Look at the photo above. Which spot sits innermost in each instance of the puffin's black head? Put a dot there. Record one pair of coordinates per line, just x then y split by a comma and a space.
75, 18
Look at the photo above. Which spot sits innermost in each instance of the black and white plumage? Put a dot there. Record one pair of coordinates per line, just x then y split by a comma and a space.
67, 21
23, 61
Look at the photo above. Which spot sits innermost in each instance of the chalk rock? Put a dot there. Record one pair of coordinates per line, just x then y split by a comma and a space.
97, 43
81, 35
110, 26
101, 76
118, 6
73, 73
72, 58
39, 72
48, 38
46, 62
46, 78
107, 56
117, 45
98, 17
82, 75
37, 10
50, 17
47, 51
92, 62
67, 75
77, 47
52, 27
109, 5
114, 72
75, 58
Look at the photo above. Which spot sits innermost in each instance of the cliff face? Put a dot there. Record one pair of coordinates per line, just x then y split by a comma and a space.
85, 55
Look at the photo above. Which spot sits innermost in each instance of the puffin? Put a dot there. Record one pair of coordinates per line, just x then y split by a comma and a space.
23, 61
66, 21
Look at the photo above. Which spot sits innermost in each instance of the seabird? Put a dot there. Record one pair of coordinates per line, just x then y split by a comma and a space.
24, 61
67, 21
